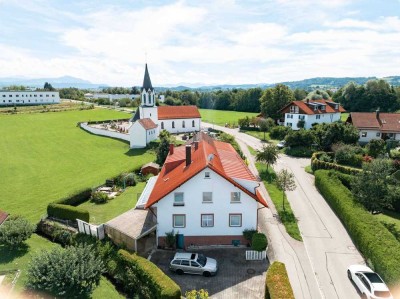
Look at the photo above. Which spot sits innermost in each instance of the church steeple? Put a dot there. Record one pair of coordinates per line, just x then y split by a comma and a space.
147, 91
146, 81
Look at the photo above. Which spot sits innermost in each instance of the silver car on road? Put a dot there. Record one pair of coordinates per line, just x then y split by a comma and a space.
193, 263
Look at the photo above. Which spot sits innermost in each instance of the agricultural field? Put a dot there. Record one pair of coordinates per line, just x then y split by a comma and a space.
45, 156
221, 117
101, 213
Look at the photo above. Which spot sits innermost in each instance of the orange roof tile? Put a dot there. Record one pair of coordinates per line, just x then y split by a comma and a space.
177, 112
147, 123
388, 122
306, 109
219, 156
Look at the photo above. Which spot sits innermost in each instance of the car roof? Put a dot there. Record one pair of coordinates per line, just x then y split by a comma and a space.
185, 255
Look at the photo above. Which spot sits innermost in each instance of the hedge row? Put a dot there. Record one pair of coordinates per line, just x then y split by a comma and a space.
318, 164
146, 278
67, 212
374, 241
77, 198
277, 284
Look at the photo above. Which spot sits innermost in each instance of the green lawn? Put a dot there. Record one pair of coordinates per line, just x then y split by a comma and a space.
101, 213
344, 116
45, 156
252, 151
258, 134
221, 117
287, 217
106, 290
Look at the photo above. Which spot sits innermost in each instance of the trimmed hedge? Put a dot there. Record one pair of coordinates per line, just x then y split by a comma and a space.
76, 198
259, 242
318, 164
141, 275
277, 284
370, 236
67, 212
298, 151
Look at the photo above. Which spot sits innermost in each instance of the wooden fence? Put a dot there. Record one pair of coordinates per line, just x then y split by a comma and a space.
252, 255
91, 229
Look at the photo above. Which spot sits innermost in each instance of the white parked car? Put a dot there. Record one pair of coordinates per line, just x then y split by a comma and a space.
370, 284
281, 144
193, 263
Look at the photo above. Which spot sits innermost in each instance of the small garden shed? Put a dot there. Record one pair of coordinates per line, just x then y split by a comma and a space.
151, 167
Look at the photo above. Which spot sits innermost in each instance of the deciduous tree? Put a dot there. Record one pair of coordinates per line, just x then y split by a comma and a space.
285, 182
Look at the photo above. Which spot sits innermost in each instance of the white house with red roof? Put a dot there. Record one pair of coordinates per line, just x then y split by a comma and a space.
376, 125
311, 112
205, 193
174, 119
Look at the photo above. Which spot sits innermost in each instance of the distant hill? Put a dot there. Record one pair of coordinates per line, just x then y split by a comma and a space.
60, 82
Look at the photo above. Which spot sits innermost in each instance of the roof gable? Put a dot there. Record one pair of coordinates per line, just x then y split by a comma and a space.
389, 122
147, 123
207, 153
308, 107
177, 112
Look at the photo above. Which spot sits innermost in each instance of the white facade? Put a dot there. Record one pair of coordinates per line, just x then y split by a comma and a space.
11, 98
220, 208
291, 119
139, 137
111, 96
149, 112
366, 135
176, 126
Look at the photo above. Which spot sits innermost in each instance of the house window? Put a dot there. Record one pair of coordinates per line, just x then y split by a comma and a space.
235, 196
235, 220
173, 125
288, 124
207, 220
378, 134
318, 116
294, 109
183, 123
207, 175
322, 108
363, 134
162, 125
178, 220
289, 116
302, 117
193, 123
207, 197
178, 199
336, 106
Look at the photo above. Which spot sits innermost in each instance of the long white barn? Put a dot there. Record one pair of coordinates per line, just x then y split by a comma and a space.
11, 98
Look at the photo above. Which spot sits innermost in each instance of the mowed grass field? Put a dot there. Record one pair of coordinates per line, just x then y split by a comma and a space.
221, 117
45, 156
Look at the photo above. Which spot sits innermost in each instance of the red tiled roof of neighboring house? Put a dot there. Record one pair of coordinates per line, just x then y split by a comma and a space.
147, 123
219, 156
3, 216
388, 122
177, 112
305, 108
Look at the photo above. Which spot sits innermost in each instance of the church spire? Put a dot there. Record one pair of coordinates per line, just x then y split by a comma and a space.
146, 81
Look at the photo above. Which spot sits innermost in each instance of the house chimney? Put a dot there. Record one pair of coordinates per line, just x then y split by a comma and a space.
308, 101
196, 145
377, 114
188, 154
171, 149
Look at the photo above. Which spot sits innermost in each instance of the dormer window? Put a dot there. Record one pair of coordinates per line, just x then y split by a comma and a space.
322, 108
294, 109
336, 106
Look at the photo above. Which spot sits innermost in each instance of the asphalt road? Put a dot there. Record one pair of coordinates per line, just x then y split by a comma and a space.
326, 248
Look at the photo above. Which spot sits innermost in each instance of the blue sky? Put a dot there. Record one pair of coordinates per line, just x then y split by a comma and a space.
205, 42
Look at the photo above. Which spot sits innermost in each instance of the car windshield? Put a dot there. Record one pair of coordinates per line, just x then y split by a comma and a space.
202, 260
373, 277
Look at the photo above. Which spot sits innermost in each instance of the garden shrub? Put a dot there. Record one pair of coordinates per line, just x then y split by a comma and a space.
370, 236
15, 230
395, 154
99, 197
376, 147
325, 157
300, 138
277, 284
259, 242
70, 273
194, 294
67, 212
142, 277
299, 151
248, 234
279, 132
349, 155
317, 164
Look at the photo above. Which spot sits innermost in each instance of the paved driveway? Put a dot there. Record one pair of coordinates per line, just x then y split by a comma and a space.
236, 277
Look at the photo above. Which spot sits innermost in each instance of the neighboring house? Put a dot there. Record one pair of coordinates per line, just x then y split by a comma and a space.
376, 125
11, 98
204, 192
111, 97
3, 217
311, 112
142, 132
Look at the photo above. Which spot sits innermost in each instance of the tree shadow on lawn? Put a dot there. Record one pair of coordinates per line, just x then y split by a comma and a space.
133, 152
8, 254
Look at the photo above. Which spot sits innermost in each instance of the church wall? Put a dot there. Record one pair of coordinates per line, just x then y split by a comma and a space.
137, 136
178, 126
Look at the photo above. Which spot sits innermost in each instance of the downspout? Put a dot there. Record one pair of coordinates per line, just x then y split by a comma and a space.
258, 208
